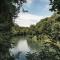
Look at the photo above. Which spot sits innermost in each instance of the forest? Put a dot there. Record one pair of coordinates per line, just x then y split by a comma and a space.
46, 32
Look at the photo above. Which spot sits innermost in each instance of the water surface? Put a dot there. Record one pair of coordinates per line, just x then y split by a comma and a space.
21, 49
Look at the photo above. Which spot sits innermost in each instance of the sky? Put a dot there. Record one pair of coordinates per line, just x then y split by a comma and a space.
37, 10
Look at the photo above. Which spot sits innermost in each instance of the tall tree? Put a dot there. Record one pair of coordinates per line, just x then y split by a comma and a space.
8, 11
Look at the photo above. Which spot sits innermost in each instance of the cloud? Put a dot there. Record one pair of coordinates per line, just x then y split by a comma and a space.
29, 1
26, 19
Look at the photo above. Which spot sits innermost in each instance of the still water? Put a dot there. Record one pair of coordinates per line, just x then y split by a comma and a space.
21, 49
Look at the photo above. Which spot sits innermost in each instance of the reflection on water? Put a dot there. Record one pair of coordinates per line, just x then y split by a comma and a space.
20, 56
20, 50
28, 50
23, 46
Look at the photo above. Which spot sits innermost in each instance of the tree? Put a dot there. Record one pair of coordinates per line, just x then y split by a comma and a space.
8, 10
55, 5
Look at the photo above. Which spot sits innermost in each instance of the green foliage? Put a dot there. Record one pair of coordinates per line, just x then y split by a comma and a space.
8, 10
47, 51
50, 26
44, 54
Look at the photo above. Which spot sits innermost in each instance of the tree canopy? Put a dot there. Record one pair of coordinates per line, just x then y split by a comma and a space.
8, 10
55, 5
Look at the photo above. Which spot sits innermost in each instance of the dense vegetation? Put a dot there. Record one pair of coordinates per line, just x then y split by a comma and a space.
46, 29
8, 11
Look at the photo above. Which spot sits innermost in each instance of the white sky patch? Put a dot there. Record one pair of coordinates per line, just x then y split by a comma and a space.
26, 19
29, 1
